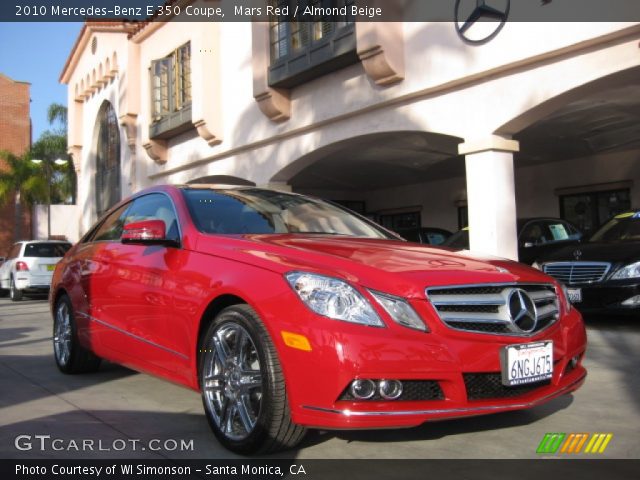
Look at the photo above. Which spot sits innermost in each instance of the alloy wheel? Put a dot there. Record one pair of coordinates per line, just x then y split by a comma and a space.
232, 381
62, 334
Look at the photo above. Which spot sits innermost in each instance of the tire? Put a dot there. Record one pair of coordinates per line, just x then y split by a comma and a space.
70, 356
14, 292
243, 388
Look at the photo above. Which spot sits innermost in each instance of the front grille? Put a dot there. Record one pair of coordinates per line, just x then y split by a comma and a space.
412, 390
486, 309
577, 272
482, 386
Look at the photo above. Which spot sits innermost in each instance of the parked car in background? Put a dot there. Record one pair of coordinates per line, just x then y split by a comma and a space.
426, 235
29, 267
287, 312
536, 236
603, 273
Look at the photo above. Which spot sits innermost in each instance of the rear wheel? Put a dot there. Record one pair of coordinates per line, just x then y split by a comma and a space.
243, 389
14, 292
71, 357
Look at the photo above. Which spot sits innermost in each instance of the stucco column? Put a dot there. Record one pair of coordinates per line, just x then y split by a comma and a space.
491, 195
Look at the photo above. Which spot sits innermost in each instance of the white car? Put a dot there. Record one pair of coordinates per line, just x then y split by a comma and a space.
30, 265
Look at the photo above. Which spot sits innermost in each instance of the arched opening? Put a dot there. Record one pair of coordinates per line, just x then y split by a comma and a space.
107, 148
405, 180
579, 152
222, 180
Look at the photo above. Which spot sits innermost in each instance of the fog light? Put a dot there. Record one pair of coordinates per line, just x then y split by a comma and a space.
632, 302
363, 389
390, 389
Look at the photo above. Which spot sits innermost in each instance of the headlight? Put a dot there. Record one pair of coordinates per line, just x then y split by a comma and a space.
333, 298
399, 310
537, 266
630, 271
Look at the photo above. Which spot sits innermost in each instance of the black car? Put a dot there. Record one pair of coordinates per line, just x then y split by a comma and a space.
603, 273
426, 235
536, 237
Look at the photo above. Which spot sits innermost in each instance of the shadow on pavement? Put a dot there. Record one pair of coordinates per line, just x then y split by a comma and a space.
26, 378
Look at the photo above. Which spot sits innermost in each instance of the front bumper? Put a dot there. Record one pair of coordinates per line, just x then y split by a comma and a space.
608, 297
342, 352
408, 418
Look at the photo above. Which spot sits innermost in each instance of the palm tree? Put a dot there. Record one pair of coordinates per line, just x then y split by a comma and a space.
58, 113
21, 182
52, 144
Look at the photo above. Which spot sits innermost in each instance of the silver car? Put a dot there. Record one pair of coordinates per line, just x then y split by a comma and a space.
30, 265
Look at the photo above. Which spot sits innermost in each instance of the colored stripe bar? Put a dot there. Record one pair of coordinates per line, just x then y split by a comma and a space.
550, 442
598, 443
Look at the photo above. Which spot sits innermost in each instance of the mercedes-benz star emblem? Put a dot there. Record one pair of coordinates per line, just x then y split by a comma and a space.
577, 254
522, 310
480, 23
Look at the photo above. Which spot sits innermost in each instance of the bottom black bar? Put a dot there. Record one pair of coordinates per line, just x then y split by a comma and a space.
541, 469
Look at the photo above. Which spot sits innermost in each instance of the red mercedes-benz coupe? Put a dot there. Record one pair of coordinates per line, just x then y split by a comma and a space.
289, 312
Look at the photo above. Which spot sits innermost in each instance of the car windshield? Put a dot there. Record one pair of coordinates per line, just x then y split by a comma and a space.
48, 250
257, 211
622, 228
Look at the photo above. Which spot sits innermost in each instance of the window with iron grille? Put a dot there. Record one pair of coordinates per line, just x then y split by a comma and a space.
171, 93
590, 210
319, 40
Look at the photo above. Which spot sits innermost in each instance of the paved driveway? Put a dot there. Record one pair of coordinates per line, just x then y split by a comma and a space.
120, 413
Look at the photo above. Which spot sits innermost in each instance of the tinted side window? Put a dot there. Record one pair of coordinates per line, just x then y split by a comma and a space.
534, 233
155, 207
559, 231
111, 228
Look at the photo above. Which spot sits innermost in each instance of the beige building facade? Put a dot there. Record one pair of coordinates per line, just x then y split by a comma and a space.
406, 122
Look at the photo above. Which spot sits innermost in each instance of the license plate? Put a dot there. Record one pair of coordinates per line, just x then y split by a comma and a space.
51, 268
527, 363
575, 295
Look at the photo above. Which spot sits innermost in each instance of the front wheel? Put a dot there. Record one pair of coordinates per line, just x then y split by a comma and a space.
243, 389
14, 292
71, 357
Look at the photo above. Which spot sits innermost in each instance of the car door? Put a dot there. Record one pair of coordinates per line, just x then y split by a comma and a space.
532, 237
140, 299
87, 279
540, 236
559, 233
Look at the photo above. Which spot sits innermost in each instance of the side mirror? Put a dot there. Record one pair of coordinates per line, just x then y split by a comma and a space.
146, 232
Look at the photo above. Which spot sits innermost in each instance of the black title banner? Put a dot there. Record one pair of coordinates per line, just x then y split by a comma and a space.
305, 10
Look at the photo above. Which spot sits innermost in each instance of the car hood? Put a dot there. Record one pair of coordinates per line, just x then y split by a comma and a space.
614, 252
393, 266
